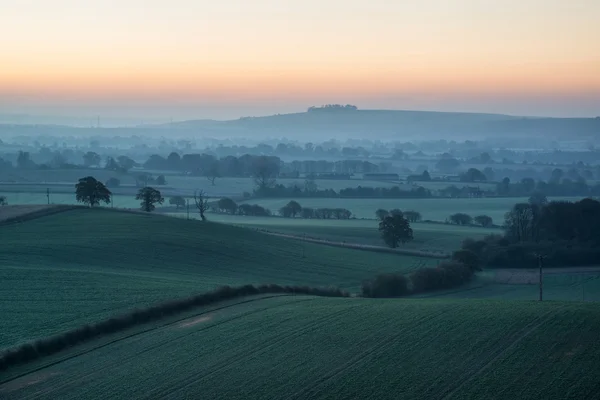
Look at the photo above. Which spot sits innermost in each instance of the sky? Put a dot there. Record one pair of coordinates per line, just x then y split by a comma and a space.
184, 59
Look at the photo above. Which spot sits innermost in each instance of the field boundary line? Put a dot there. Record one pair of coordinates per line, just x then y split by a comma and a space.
50, 210
53, 363
356, 246
522, 334
184, 335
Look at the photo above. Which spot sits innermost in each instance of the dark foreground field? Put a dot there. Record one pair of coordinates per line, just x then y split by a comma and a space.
303, 347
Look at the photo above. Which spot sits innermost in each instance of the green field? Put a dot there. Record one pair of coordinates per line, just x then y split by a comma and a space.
563, 286
63, 270
427, 237
231, 187
19, 198
430, 209
321, 348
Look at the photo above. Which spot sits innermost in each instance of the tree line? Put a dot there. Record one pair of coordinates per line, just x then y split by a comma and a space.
92, 193
459, 270
562, 233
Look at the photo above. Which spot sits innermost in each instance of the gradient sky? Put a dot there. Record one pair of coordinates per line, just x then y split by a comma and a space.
228, 58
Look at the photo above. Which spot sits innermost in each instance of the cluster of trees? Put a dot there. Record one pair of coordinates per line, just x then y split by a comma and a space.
92, 192
466, 219
294, 209
564, 233
448, 274
557, 186
411, 216
325, 213
382, 192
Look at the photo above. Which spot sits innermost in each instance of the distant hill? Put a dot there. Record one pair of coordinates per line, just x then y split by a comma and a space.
390, 124
373, 124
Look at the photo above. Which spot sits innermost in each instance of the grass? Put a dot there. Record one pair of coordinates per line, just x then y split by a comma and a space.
33, 198
303, 347
427, 237
79, 266
567, 286
430, 209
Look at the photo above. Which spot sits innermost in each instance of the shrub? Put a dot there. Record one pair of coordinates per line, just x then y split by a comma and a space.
461, 219
307, 213
484, 220
386, 285
413, 216
446, 275
468, 258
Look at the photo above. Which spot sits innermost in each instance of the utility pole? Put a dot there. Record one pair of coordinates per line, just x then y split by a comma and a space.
188, 208
48, 195
304, 245
541, 263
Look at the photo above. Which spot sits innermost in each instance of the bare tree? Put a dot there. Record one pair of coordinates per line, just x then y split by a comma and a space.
201, 203
265, 171
212, 173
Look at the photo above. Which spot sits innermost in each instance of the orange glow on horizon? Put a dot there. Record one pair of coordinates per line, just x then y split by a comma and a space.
234, 50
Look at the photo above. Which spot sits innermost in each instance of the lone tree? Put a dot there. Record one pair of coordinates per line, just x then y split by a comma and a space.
265, 170
484, 220
91, 191
291, 209
395, 229
461, 219
149, 197
227, 205
381, 214
212, 172
3, 201
177, 201
201, 203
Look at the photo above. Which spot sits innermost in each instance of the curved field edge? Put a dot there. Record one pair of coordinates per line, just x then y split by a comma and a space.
52, 345
314, 347
17, 213
104, 262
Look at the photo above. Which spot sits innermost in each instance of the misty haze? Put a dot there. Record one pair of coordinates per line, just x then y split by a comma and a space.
307, 200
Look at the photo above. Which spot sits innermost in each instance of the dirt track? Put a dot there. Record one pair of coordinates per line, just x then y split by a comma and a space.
359, 246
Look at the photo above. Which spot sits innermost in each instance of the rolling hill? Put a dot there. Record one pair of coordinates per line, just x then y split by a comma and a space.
304, 347
64, 270
375, 124
392, 124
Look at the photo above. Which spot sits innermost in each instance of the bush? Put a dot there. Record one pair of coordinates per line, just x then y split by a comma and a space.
446, 275
461, 219
484, 220
468, 258
386, 285
253, 210
413, 216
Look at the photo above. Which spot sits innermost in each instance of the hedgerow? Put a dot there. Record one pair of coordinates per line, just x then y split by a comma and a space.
48, 346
